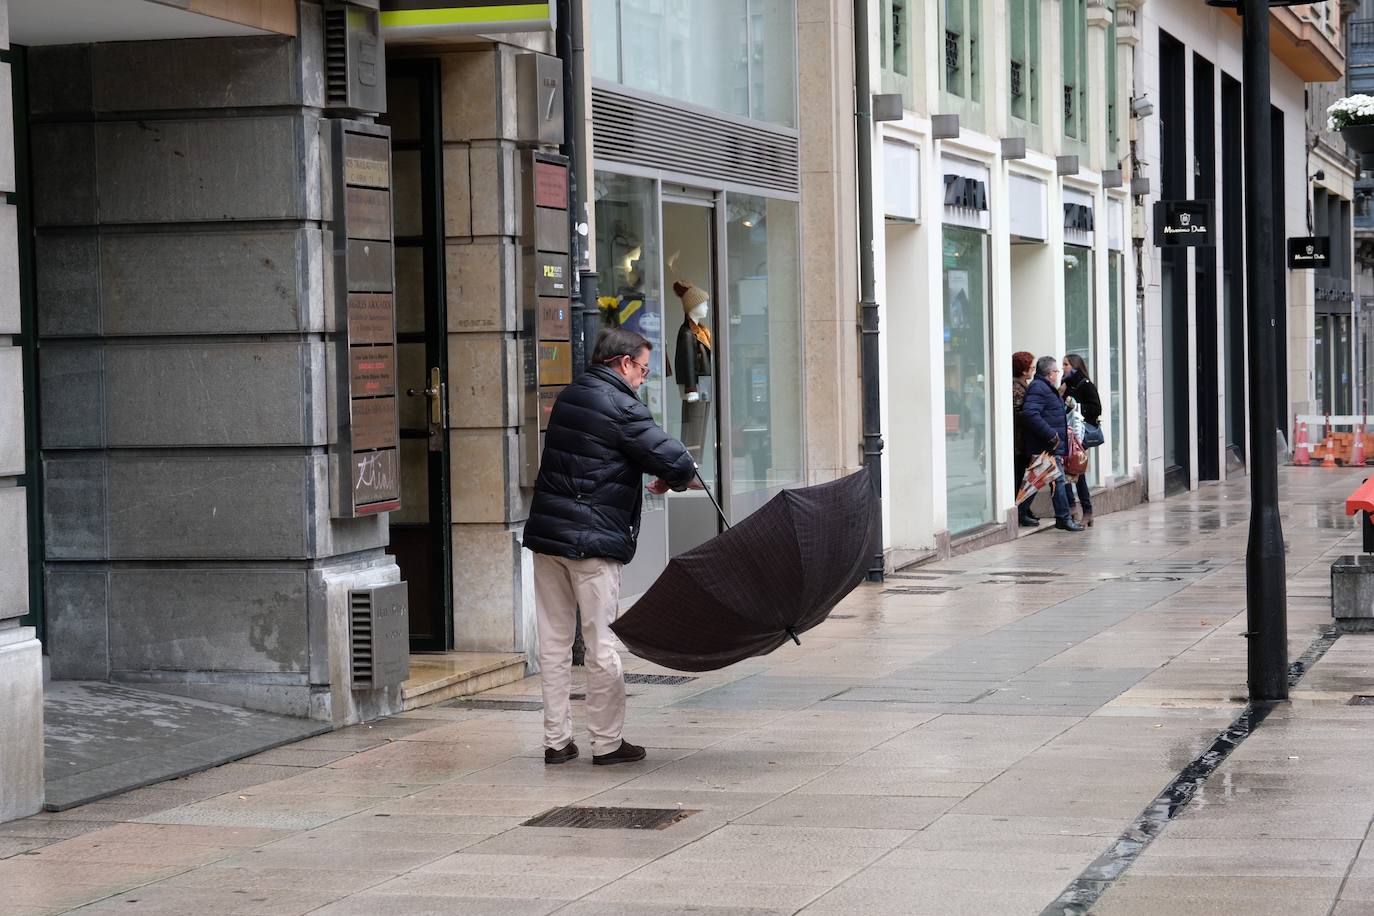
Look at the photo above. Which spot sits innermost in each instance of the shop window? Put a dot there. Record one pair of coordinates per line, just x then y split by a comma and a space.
968, 419
962, 27
736, 56
1074, 36
627, 261
764, 358
1024, 38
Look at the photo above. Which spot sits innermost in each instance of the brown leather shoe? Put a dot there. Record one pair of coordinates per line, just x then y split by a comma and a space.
626, 753
562, 755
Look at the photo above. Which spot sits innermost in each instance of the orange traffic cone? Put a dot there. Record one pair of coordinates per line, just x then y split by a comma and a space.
1301, 456
1329, 447
1357, 449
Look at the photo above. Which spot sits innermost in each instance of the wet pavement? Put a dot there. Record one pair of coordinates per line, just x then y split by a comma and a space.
969, 737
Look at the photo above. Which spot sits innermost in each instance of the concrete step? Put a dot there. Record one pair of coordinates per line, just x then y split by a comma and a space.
439, 676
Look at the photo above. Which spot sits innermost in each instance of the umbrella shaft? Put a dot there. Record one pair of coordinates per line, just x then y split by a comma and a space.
723, 520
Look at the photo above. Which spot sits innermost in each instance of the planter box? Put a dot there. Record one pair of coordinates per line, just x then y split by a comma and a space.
1360, 137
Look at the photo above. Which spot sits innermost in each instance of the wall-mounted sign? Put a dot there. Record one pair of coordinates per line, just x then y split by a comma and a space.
1078, 217
965, 193
443, 20
1184, 222
365, 463
1309, 253
547, 294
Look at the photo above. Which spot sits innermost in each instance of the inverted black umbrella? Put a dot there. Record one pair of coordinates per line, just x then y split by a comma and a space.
747, 591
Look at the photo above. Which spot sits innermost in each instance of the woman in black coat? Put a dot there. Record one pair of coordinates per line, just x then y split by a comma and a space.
1075, 383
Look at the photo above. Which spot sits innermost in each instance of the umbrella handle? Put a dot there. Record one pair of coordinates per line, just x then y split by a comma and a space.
725, 521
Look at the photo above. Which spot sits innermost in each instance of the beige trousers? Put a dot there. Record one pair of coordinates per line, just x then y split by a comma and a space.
561, 586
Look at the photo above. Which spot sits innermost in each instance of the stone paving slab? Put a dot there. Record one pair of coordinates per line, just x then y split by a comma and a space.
968, 751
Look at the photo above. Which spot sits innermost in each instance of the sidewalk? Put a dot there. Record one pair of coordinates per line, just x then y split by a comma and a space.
964, 739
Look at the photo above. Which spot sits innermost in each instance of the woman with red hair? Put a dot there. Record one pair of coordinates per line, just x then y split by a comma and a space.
1022, 371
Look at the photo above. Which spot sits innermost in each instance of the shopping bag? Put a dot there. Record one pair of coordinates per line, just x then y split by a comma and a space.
1076, 463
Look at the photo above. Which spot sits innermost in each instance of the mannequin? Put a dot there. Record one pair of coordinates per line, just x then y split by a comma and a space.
692, 363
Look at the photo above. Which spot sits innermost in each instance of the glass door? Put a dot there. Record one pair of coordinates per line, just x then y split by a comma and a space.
420, 536
693, 388
968, 421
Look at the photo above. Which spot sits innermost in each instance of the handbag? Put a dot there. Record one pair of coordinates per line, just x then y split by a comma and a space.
1076, 462
1092, 435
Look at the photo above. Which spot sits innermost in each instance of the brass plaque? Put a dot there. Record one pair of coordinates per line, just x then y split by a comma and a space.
555, 322
369, 266
371, 317
367, 161
372, 371
374, 423
551, 274
547, 396
555, 363
376, 481
551, 231
551, 185
368, 214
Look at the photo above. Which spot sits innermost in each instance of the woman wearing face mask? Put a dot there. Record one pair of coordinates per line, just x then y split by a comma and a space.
1077, 385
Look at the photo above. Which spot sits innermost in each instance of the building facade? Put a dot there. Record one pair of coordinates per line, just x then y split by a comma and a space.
286, 287
1006, 227
1195, 341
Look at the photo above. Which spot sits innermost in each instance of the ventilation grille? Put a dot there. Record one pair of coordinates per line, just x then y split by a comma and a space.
360, 636
653, 134
658, 679
336, 54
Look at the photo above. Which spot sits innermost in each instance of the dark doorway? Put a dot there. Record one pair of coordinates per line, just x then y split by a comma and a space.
1233, 270
420, 529
1206, 372
1174, 285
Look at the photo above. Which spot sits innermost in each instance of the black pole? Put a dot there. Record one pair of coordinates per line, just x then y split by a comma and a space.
868, 303
569, 28
586, 313
1266, 602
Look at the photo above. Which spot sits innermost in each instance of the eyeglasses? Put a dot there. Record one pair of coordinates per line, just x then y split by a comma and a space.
643, 367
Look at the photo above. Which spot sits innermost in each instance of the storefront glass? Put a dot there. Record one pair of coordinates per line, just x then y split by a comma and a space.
1115, 408
765, 340
627, 261
968, 459
1078, 303
737, 56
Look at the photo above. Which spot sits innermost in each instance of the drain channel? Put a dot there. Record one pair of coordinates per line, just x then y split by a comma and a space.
1080, 896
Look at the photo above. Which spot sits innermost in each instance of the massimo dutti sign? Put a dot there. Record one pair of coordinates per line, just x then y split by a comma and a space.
1309, 253
1184, 222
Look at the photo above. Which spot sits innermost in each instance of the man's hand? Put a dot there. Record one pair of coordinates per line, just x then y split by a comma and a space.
1054, 443
658, 486
696, 484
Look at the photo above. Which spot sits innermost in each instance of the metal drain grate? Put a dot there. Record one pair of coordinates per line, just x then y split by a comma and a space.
610, 818
1361, 699
509, 705
920, 589
841, 617
658, 679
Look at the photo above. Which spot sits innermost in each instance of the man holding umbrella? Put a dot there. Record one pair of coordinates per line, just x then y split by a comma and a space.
1048, 426
583, 525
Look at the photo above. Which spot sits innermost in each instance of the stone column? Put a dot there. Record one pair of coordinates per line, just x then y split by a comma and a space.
184, 309
21, 670
830, 286
493, 599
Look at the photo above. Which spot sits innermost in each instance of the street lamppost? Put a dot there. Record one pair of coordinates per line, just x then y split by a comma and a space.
1266, 598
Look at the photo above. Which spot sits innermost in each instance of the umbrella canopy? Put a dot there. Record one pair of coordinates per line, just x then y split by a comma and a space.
747, 591
1038, 473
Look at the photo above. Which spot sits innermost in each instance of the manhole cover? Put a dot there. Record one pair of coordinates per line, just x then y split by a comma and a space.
1361, 699
841, 616
610, 818
658, 679
1143, 579
1018, 582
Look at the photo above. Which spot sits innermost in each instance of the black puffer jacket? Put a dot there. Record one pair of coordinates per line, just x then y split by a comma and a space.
601, 441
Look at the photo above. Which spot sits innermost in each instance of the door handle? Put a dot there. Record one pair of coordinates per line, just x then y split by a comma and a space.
435, 394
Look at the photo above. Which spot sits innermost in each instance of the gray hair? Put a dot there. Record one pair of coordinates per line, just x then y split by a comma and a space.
1045, 365
613, 343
